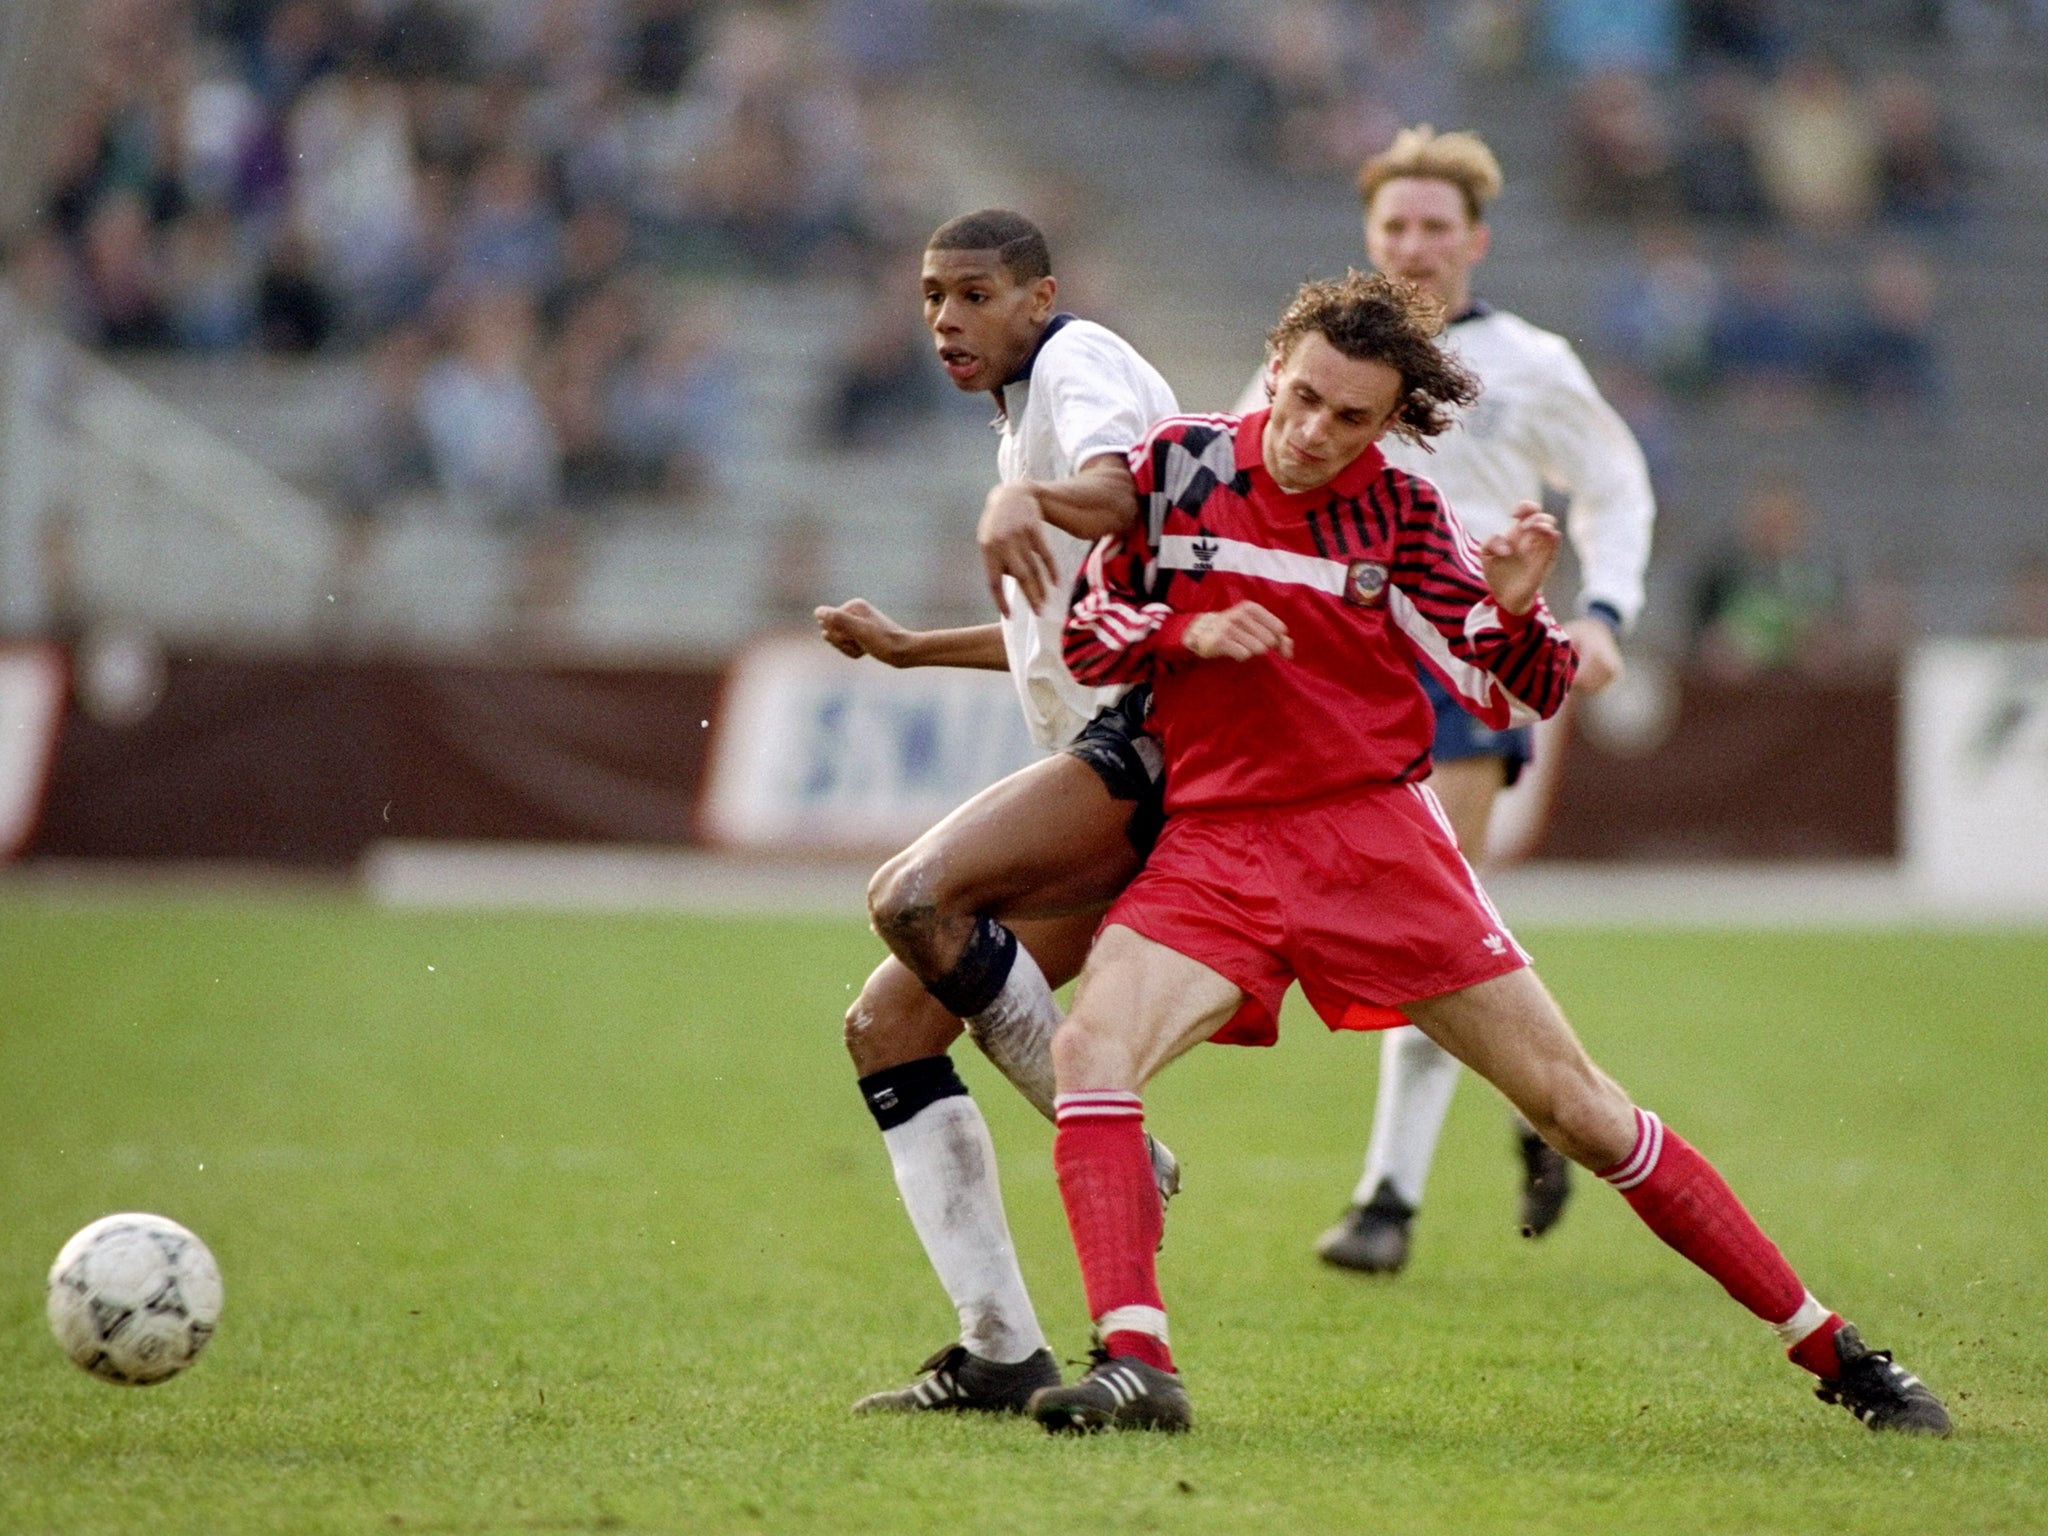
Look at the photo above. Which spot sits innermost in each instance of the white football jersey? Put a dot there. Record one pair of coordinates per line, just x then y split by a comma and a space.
1085, 393
1538, 421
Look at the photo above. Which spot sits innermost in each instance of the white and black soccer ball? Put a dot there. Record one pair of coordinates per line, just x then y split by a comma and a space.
133, 1298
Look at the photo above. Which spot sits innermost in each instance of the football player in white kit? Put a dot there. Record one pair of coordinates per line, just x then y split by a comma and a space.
1539, 421
995, 906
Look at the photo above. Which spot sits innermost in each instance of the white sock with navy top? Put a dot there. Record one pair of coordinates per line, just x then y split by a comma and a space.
945, 1167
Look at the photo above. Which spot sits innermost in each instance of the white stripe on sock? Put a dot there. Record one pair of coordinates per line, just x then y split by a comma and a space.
1148, 1320
1801, 1324
1641, 1161
1098, 1104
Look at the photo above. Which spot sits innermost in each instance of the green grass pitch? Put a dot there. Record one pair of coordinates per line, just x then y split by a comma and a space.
574, 1223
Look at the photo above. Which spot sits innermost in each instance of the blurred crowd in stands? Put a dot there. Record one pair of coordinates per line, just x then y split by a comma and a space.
516, 218
517, 225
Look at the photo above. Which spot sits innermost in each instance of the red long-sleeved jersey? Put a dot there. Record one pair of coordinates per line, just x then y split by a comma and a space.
1369, 573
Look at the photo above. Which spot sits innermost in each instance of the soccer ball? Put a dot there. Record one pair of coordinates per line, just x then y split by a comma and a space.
134, 1298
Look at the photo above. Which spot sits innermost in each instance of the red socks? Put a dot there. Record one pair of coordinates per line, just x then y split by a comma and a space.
1685, 1202
1113, 1210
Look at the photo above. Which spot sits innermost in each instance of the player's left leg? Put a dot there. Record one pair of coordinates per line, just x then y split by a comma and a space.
1139, 1006
1512, 1033
1417, 1076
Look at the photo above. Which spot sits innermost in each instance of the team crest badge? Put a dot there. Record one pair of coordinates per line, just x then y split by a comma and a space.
1365, 583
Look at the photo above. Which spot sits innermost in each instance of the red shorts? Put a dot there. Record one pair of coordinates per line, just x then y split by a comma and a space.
1363, 898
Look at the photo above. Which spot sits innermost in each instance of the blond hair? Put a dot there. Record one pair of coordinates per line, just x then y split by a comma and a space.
1462, 159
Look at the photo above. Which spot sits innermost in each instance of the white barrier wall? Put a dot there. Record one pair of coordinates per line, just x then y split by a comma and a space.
820, 754
1974, 740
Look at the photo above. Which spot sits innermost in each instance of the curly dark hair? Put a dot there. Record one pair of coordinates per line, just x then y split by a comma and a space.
1376, 318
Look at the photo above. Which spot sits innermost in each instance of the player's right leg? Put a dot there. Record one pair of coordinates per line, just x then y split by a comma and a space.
1512, 1033
1140, 1004
985, 915
944, 1164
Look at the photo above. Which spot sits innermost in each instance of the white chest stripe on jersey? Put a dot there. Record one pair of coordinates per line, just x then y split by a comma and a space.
1474, 683
1189, 552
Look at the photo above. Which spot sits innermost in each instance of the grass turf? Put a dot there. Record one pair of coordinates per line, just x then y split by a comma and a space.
554, 1224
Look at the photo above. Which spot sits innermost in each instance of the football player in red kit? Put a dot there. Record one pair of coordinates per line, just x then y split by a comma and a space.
1276, 587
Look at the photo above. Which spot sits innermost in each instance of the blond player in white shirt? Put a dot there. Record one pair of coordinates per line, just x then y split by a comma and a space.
1539, 422
995, 906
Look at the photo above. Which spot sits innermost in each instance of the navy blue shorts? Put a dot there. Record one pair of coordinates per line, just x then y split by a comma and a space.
1460, 734
1127, 758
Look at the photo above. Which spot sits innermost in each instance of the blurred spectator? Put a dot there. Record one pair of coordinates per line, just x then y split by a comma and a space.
355, 192
301, 41
1166, 40
662, 44
1634, 37
1923, 181
1761, 338
1489, 37
595, 144
211, 283
1618, 159
884, 41
1717, 171
123, 278
380, 444
1769, 602
47, 283
1639, 401
1885, 354
1658, 316
1817, 148
750, 190
1754, 34
379, 453
1297, 76
596, 242
221, 120
506, 234
669, 411
1327, 85
885, 382
572, 380
489, 441
293, 310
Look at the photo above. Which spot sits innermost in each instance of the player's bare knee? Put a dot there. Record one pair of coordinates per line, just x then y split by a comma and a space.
860, 1031
903, 903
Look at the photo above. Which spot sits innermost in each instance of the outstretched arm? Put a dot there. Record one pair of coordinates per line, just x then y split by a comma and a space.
859, 628
1099, 500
